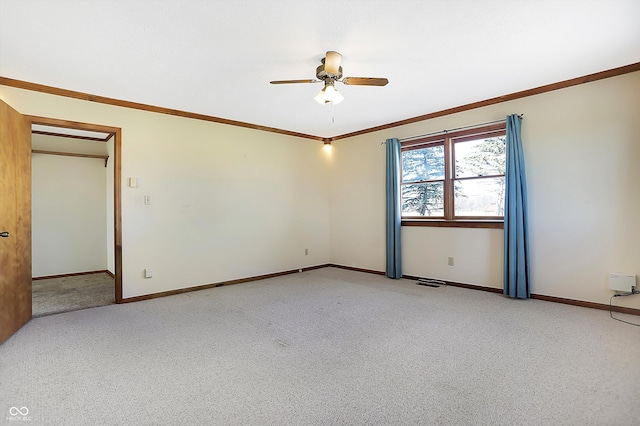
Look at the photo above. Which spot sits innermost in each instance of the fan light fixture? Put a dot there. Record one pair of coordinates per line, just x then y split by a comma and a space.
329, 94
328, 73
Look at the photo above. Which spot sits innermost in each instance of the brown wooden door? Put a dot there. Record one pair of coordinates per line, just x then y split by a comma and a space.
15, 219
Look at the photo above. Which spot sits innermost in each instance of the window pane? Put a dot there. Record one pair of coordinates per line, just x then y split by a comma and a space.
423, 164
479, 197
481, 157
423, 199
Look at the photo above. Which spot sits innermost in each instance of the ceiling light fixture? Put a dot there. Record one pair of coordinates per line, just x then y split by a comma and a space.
328, 73
329, 93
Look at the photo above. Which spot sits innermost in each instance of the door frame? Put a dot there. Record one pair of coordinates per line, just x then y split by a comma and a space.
117, 183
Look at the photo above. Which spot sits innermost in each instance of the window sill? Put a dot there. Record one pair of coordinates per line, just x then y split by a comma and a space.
492, 224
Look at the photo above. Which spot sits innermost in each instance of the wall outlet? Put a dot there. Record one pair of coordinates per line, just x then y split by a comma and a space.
450, 261
147, 200
148, 273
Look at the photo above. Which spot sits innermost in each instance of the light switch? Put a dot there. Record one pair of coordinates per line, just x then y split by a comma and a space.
133, 182
147, 200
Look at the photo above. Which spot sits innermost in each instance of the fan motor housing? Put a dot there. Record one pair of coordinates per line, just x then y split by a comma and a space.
321, 74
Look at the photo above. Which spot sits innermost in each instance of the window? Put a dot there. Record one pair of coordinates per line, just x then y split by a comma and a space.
455, 178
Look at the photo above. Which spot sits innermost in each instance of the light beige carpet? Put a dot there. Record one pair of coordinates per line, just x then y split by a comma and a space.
56, 295
325, 347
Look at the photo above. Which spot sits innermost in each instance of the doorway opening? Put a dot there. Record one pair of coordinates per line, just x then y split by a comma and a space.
77, 249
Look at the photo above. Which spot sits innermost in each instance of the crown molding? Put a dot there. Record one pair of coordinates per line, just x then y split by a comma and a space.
5, 81
517, 95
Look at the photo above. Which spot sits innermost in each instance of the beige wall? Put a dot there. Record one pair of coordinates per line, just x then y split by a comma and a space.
582, 153
68, 215
227, 202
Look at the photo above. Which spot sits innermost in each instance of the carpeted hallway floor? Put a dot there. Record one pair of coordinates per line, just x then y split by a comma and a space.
326, 346
64, 294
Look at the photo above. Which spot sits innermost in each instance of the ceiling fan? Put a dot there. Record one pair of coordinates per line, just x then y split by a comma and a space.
330, 72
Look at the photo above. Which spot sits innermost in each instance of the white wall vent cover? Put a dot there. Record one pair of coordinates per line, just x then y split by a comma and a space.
621, 282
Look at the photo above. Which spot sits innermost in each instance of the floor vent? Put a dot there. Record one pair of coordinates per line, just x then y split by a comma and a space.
430, 282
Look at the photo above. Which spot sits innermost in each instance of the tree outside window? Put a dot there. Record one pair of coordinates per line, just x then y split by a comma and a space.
457, 176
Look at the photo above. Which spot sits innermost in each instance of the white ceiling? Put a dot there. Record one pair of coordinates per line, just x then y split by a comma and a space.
217, 57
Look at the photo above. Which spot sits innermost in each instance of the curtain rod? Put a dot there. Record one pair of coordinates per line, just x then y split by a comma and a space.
453, 130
